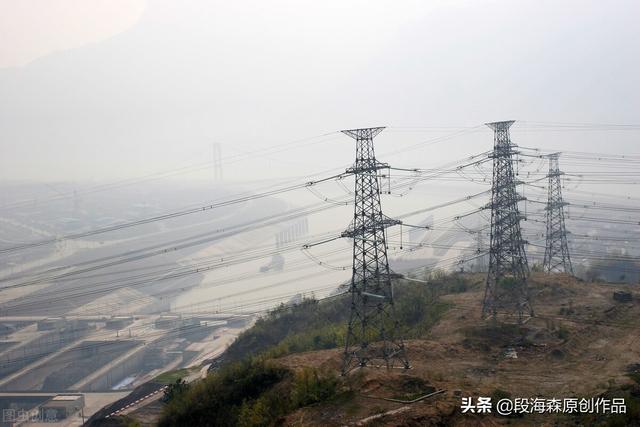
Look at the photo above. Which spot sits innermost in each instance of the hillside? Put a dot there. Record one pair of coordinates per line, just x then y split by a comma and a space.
582, 343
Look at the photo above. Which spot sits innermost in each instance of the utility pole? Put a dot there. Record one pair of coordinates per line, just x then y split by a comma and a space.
372, 333
556, 252
506, 286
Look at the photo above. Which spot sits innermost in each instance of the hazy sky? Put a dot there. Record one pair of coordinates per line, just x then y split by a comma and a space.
100, 90
34, 28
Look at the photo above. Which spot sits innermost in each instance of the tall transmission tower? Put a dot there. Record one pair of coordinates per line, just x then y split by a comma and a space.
556, 252
481, 260
372, 334
506, 286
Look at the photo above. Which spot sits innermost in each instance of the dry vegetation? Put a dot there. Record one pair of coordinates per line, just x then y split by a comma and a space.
581, 343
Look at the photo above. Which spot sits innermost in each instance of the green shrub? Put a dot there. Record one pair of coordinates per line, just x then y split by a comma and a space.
635, 376
562, 333
499, 394
248, 391
317, 325
218, 399
310, 386
175, 390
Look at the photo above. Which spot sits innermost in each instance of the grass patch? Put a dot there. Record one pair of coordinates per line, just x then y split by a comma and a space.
171, 377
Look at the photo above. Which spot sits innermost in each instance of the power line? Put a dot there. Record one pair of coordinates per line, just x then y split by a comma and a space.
166, 216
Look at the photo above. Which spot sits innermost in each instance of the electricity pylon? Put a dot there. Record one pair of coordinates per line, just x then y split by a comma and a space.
556, 252
372, 333
506, 286
481, 259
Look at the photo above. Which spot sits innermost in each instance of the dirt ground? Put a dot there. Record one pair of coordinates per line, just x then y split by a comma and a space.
580, 343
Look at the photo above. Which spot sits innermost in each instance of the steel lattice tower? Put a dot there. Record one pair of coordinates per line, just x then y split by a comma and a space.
372, 334
481, 260
556, 252
506, 287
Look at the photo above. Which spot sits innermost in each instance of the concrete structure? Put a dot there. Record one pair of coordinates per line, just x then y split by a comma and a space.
60, 323
168, 321
119, 322
62, 406
51, 324
37, 346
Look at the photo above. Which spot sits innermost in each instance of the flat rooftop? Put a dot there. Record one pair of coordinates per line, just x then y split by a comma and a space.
67, 397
